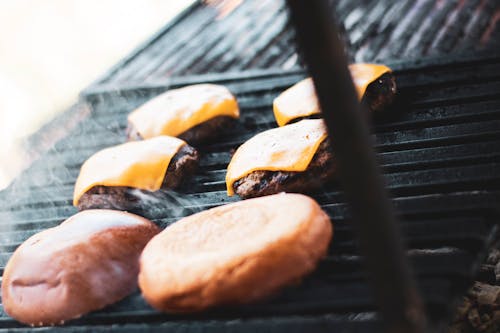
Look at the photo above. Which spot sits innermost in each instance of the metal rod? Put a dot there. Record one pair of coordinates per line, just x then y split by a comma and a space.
377, 229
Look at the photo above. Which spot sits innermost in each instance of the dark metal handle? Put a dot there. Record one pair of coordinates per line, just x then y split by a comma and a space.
379, 237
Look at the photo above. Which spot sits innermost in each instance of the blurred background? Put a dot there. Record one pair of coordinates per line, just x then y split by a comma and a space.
50, 50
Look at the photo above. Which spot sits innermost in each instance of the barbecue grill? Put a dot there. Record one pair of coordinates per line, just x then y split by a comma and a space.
439, 147
258, 35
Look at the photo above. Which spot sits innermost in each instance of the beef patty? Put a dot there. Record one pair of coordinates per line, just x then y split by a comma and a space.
182, 165
260, 183
380, 93
195, 135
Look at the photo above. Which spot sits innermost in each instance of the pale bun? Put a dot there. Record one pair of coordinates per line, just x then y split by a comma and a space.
232, 254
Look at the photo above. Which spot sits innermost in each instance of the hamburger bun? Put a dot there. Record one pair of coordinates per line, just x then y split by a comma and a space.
87, 262
233, 254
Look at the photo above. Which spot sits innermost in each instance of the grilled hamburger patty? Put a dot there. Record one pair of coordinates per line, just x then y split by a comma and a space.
260, 183
380, 93
182, 165
195, 135
378, 96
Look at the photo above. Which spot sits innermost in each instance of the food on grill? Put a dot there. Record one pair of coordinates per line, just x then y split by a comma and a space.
87, 262
194, 113
233, 254
375, 85
112, 177
292, 158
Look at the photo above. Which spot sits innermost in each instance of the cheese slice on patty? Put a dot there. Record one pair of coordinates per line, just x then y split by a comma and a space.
300, 99
287, 148
138, 164
176, 111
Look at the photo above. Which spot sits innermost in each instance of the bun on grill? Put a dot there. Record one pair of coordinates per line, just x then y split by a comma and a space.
87, 262
237, 253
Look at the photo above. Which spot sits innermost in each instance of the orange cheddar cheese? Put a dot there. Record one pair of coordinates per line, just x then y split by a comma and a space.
139, 164
300, 99
297, 101
287, 148
178, 110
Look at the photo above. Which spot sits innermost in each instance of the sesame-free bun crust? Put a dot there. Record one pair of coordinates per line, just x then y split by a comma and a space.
87, 262
233, 254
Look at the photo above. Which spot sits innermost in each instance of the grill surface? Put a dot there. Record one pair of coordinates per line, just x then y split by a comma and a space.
257, 35
440, 150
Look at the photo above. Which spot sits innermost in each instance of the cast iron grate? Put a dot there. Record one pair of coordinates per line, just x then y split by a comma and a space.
440, 150
257, 35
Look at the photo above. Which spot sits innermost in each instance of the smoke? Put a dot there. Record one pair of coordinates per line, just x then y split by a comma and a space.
41, 197
165, 205
13, 128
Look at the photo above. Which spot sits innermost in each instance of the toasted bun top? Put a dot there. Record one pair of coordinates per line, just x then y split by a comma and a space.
235, 228
138, 164
85, 263
177, 110
300, 100
80, 227
287, 148
203, 247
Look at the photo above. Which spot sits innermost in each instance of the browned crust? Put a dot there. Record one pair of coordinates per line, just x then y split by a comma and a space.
198, 134
57, 284
182, 166
259, 183
250, 277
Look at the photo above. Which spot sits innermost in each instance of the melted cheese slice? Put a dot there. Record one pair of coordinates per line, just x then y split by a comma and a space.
300, 99
297, 101
176, 111
139, 164
287, 148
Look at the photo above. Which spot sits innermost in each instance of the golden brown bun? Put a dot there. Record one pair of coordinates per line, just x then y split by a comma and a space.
237, 253
87, 262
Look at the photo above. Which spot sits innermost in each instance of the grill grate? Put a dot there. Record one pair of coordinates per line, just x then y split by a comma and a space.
257, 35
440, 150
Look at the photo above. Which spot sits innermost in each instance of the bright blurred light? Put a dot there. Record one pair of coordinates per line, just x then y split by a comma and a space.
50, 50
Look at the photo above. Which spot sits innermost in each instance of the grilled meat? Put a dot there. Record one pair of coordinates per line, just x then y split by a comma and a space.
260, 183
193, 113
181, 167
380, 93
